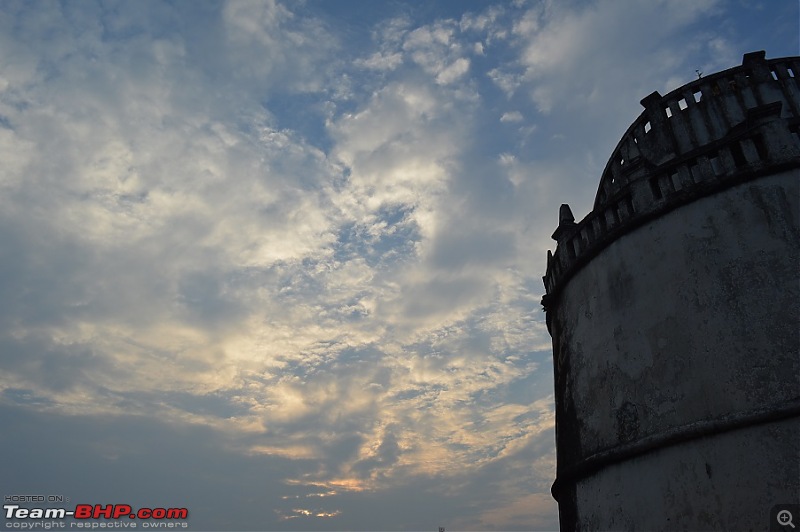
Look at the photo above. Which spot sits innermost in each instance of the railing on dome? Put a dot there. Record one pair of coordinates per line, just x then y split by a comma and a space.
711, 133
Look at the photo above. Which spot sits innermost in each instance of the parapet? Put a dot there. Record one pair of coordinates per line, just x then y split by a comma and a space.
710, 134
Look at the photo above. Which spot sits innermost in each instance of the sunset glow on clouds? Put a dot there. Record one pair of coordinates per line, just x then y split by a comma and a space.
280, 262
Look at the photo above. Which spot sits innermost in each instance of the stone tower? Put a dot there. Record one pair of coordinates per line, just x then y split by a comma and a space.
673, 308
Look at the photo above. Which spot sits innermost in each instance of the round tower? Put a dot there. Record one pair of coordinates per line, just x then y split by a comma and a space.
673, 308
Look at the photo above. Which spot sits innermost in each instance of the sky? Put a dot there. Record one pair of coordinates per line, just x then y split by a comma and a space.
279, 262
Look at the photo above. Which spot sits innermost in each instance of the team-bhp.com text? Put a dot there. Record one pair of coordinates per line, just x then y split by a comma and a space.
92, 513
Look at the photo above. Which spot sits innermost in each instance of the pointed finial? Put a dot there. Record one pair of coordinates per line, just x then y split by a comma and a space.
566, 221
565, 214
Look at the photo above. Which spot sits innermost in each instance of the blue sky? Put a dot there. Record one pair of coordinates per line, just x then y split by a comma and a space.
280, 262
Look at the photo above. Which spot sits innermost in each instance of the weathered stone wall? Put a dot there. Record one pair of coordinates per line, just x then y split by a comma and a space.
667, 330
723, 483
674, 309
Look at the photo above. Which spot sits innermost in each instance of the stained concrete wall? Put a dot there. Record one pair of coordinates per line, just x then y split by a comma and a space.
684, 334
728, 482
673, 307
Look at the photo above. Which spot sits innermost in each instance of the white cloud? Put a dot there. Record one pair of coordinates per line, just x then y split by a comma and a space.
454, 71
507, 81
398, 150
438, 50
512, 116
379, 61
564, 66
269, 45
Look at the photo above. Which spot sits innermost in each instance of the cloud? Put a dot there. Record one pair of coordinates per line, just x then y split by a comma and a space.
564, 66
269, 43
513, 116
508, 82
378, 61
438, 51
145, 222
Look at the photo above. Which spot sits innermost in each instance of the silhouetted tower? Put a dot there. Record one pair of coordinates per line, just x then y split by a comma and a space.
673, 308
